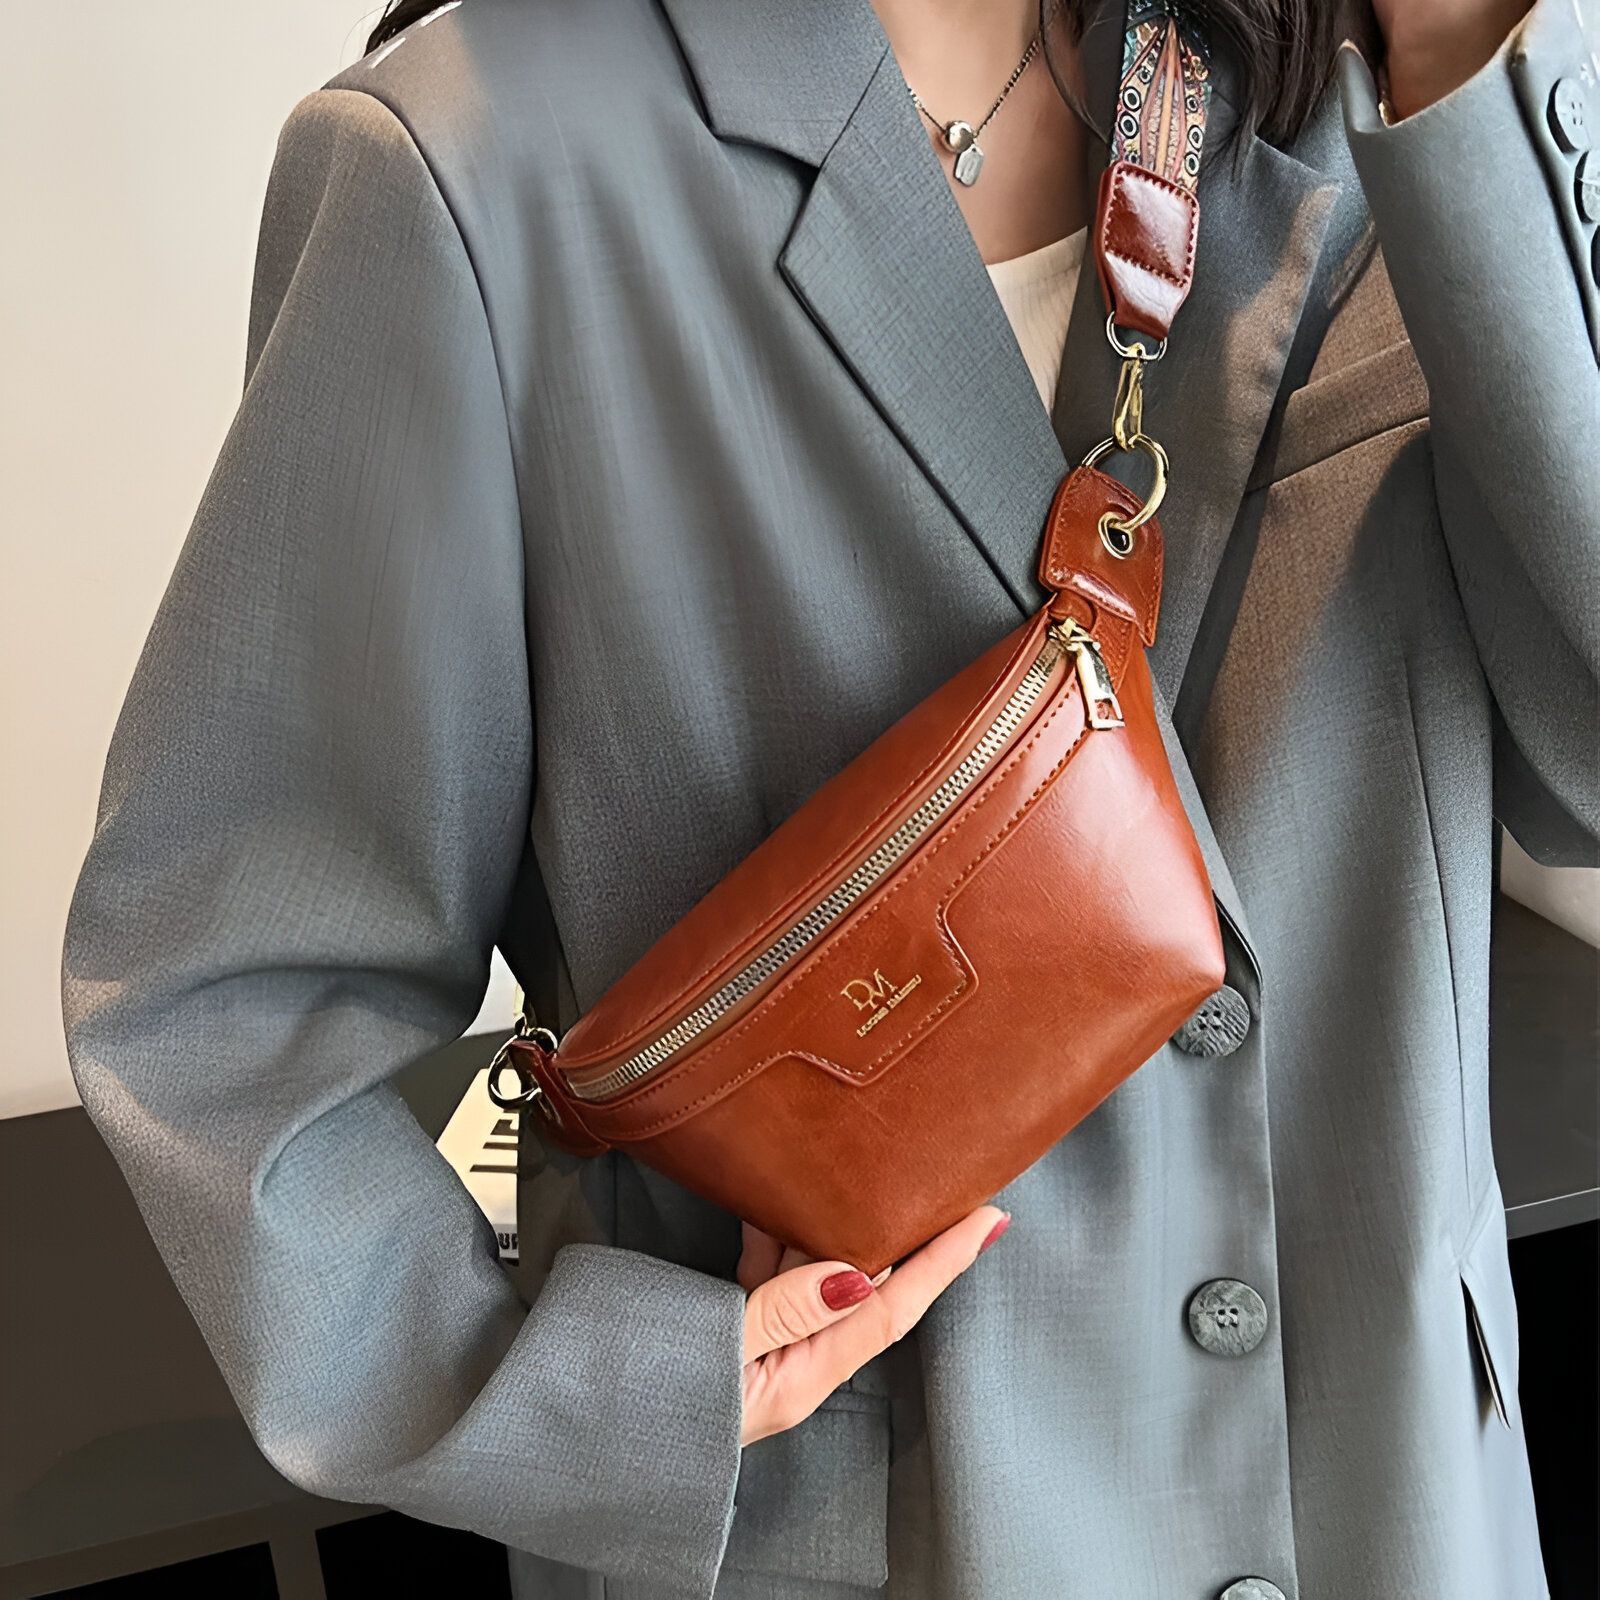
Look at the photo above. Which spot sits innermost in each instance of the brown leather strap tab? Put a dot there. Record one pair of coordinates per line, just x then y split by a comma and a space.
1148, 216
1145, 231
1074, 559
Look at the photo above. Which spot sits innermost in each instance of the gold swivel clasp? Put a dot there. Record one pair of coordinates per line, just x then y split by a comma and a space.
1128, 435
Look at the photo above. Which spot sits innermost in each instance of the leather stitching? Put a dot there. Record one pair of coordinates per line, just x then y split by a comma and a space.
583, 1063
1146, 596
941, 911
1016, 817
862, 1074
1145, 267
1146, 593
667, 1119
1120, 182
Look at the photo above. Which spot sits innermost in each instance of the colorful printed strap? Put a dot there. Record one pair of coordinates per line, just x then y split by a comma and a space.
1148, 217
1165, 93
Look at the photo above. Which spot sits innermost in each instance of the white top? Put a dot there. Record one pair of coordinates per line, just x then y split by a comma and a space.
1036, 290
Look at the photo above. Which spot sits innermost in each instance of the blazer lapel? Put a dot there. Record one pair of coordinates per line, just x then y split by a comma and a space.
932, 346
882, 258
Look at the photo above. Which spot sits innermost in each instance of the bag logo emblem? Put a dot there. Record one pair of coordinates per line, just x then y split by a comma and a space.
877, 994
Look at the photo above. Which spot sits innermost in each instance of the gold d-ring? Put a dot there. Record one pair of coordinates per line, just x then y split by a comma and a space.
1110, 523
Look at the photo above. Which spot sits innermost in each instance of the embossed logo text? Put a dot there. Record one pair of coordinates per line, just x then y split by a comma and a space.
877, 994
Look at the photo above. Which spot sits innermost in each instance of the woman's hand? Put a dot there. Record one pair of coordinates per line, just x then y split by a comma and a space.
809, 1325
1434, 46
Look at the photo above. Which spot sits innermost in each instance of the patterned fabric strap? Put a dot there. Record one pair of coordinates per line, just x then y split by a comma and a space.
1165, 93
1148, 214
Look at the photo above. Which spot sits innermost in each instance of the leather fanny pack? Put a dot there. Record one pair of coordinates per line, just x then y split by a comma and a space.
968, 937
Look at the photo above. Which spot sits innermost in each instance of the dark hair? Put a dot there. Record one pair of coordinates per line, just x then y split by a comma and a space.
1283, 52
1284, 49
398, 14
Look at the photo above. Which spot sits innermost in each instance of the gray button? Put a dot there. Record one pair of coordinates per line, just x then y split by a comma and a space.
1586, 186
1252, 1589
1218, 1025
1227, 1317
1571, 116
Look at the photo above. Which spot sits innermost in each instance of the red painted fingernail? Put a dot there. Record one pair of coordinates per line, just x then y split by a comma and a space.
995, 1232
845, 1289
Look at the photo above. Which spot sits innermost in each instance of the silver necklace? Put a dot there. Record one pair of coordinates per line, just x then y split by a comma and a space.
960, 135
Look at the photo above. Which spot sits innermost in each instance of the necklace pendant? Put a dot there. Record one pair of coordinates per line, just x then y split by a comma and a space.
969, 164
958, 135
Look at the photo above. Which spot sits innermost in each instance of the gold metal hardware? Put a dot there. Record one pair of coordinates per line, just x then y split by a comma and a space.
1101, 709
1116, 533
1127, 415
1128, 350
1127, 435
1094, 679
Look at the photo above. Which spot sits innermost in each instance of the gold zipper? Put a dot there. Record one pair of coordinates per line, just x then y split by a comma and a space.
1095, 683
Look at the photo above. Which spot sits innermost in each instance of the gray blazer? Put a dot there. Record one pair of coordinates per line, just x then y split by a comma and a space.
630, 432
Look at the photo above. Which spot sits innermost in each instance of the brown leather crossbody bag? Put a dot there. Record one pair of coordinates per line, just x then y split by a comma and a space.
966, 939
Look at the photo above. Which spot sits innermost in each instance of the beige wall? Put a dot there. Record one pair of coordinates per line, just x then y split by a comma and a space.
135, 139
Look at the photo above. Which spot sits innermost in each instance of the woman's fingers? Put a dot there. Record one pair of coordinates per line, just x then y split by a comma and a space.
762, 1257
838, 1353
759, 1255
800, 1302
793, 1258
810, 1328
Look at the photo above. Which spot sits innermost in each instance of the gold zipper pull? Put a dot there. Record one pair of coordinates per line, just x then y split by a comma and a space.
1093, 677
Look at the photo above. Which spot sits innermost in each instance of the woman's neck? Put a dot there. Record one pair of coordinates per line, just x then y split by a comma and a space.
957, 56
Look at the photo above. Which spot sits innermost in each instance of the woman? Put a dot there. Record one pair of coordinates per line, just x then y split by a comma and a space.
632, 430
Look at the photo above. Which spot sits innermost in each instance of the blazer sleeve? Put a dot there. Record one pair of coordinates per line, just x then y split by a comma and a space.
1494, 266
313, 805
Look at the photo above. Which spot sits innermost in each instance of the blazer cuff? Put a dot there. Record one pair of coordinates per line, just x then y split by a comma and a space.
636, 1366
1482, 188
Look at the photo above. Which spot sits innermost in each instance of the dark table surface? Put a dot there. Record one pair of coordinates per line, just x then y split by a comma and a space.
1544, 1071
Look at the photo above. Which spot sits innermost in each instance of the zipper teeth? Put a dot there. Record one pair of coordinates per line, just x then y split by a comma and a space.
642, 1063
